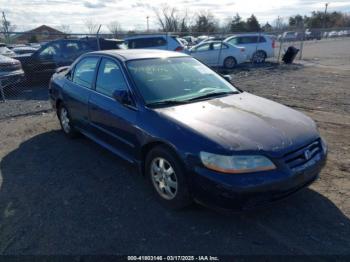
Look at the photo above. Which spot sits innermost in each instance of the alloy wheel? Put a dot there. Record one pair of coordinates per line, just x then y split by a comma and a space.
65, 120
164, 178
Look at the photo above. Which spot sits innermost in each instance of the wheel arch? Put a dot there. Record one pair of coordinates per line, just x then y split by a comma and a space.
227, 57
262, 51
146, 148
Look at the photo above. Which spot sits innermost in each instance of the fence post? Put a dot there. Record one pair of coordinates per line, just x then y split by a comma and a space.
302, 43
279, 52
2, 92
98, 38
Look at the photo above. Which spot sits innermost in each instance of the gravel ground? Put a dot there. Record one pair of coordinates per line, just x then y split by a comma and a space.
61, 196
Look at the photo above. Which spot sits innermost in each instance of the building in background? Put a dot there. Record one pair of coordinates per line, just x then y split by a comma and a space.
42, 33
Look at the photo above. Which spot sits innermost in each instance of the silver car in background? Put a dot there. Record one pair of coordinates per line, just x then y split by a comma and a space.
257, 46
217, 53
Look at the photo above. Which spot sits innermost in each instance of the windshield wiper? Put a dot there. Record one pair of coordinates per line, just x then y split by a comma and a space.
167, 103
213, 94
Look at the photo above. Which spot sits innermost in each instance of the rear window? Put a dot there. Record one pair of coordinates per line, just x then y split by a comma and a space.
146, 42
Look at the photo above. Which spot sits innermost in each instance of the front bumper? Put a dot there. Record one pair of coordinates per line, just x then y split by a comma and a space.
11, 78
248, 191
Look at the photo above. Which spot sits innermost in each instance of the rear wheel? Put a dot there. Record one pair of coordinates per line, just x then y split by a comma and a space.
230, 62
167, 177
65, 122
259, 57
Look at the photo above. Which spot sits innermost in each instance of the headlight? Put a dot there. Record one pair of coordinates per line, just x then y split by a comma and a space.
236, 164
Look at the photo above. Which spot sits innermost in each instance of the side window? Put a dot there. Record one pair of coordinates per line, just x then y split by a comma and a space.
261, 39
70, 50
85, 71
254, 39
246, 40
218, 46
204, 47
109, 78
130, 44
158, 41
50, 51
234, 41
146, 42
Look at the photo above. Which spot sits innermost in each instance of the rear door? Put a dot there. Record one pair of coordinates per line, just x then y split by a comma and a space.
204, 53
113, 122
78, 88
70, 50
44, 62
250, 43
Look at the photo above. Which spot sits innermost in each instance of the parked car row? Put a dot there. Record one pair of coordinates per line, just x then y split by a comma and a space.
41, 63
311, 34
333, 34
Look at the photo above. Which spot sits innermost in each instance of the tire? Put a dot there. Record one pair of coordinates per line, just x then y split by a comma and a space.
66, 122
230, 62
168, 180
259, 57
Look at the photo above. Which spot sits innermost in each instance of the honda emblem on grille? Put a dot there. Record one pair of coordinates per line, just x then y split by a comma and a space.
307, 154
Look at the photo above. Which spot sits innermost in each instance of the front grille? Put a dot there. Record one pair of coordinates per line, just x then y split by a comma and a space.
302, 156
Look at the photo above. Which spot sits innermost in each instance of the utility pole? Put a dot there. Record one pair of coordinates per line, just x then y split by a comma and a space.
147, 23
325, 15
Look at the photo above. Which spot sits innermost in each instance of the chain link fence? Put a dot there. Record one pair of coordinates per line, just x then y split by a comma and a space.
27, 60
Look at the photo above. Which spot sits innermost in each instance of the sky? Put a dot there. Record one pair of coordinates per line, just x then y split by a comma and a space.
131, 14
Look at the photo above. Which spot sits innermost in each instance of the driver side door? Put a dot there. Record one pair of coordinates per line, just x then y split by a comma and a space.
114, 123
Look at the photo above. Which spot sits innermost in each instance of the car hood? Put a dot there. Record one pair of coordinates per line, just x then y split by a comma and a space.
245, 122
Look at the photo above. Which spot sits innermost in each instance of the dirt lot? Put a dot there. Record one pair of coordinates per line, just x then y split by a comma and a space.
60, 196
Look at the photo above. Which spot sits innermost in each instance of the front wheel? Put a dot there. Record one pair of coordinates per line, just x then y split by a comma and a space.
167, 177
230, 62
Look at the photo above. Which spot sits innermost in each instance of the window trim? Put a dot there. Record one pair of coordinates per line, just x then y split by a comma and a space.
98, 69
95, 72
134, 105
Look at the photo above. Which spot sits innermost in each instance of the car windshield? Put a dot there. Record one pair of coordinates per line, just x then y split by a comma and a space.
181, 80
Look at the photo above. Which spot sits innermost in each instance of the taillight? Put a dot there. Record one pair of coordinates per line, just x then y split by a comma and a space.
273, 44
179, 49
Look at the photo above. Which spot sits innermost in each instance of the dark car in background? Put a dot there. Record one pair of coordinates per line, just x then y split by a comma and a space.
42, 63
313, 34
191, 132
161, 42
11, 73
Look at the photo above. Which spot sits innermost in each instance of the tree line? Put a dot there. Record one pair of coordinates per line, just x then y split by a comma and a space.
171, 19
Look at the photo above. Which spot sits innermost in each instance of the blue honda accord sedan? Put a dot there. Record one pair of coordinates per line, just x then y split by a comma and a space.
191, 133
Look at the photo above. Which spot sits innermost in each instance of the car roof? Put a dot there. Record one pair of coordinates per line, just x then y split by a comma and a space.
133, 54
250, 34
212, 42
148, 36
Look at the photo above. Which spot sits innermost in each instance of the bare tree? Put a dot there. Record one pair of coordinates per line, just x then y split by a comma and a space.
115, 28
6, 27
91, 26
65, 29
171, 19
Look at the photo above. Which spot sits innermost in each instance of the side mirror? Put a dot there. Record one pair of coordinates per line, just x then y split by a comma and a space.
122, 96
228, 78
